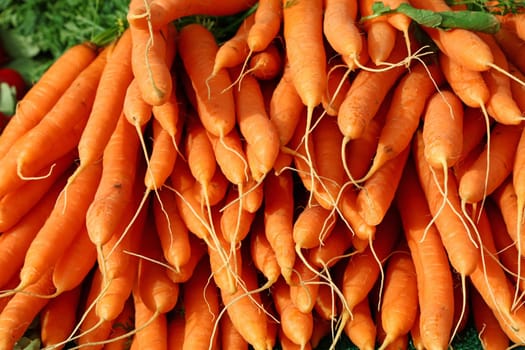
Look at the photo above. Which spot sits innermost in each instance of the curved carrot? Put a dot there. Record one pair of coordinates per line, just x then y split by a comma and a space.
39, 100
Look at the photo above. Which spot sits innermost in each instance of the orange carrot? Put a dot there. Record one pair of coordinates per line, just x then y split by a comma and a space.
512, 45
201, 308
235, 221
266, 64
58, 317
349, 210
116, 183
215, 103
176, 325
304, 285
185, 271
361, 329
136, 109
230, 156
338, 83
20, 311
333, 248
278, 219
312, 226
43, 95
60, 228
268, 16
122, 326
152, 327
262, 253
436, 300
489, 331
230, 336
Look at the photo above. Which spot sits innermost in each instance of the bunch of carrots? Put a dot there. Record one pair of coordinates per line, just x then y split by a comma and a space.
323, 171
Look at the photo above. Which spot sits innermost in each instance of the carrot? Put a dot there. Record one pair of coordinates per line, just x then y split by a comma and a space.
501, 104
214, 192
171, 230
119, 336
155, 289
518, 171
136, 110
450, 221
266, 64
20, 311
304, 19
75, 263
489, 331
162, 12
15, 204
517, 89
341, 30
333, 248
58, 317
466, 83
176, 326
68, 116
400, 304
234, 51
151, 327
185, 271
312, 226
296, 325
230, 336
60, 228
235, 221
279, 218
115, 186
149, 64
436, 300
43, 95
201, 307
244, 310
326, 308
326, 139
286, 107
169, 114
474, 129
268, 17
108, 102
375, 197
447, 40
338, 83
492, 166
514, 22
304, 285
399, 21
512, 45
361, 329
215, 103
258, 131
262, 253
349, 210
381, 36
358, 109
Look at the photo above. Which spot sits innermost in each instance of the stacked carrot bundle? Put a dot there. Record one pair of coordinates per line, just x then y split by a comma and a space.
320, 172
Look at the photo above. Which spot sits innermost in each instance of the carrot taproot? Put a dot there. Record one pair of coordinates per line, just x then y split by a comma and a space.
333, 248
399, 302
266, 26
235, 221
162, 12
16, 204
304, 285
361, 329
312, 226
136, 110
21, 309
115, 187
171, 230
295, 324
230, 336
43, 95
342, 31
286, 107
215, 103
15, 242
176, 325
279, 204
327, 139
121, 335
399, 20
266, 64
262, 253
74, 265
354, 113
149, 64
361, 232
244, 309
518, 171
58, 317
338, 83
155, 289
404, 113
514, 22
251, 195
60, 228
151, 326
375, 197
234, 51
490, 333
201, 308
214, 192
492, 166
474, 129
512, 45
108, 102
68, 117
436, 301
381, 38
448, 217
185, 271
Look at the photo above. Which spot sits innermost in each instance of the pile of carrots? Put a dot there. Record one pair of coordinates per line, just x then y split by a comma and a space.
323, 172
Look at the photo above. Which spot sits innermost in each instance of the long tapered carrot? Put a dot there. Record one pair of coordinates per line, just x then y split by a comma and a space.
66, 219
215, 104
361, 329
264, 258
116, 182
268, 17
436, 301
152, 328
490, 333
68, 116
46, 92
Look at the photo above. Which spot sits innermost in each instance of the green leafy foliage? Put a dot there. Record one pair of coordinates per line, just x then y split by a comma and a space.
39, 31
